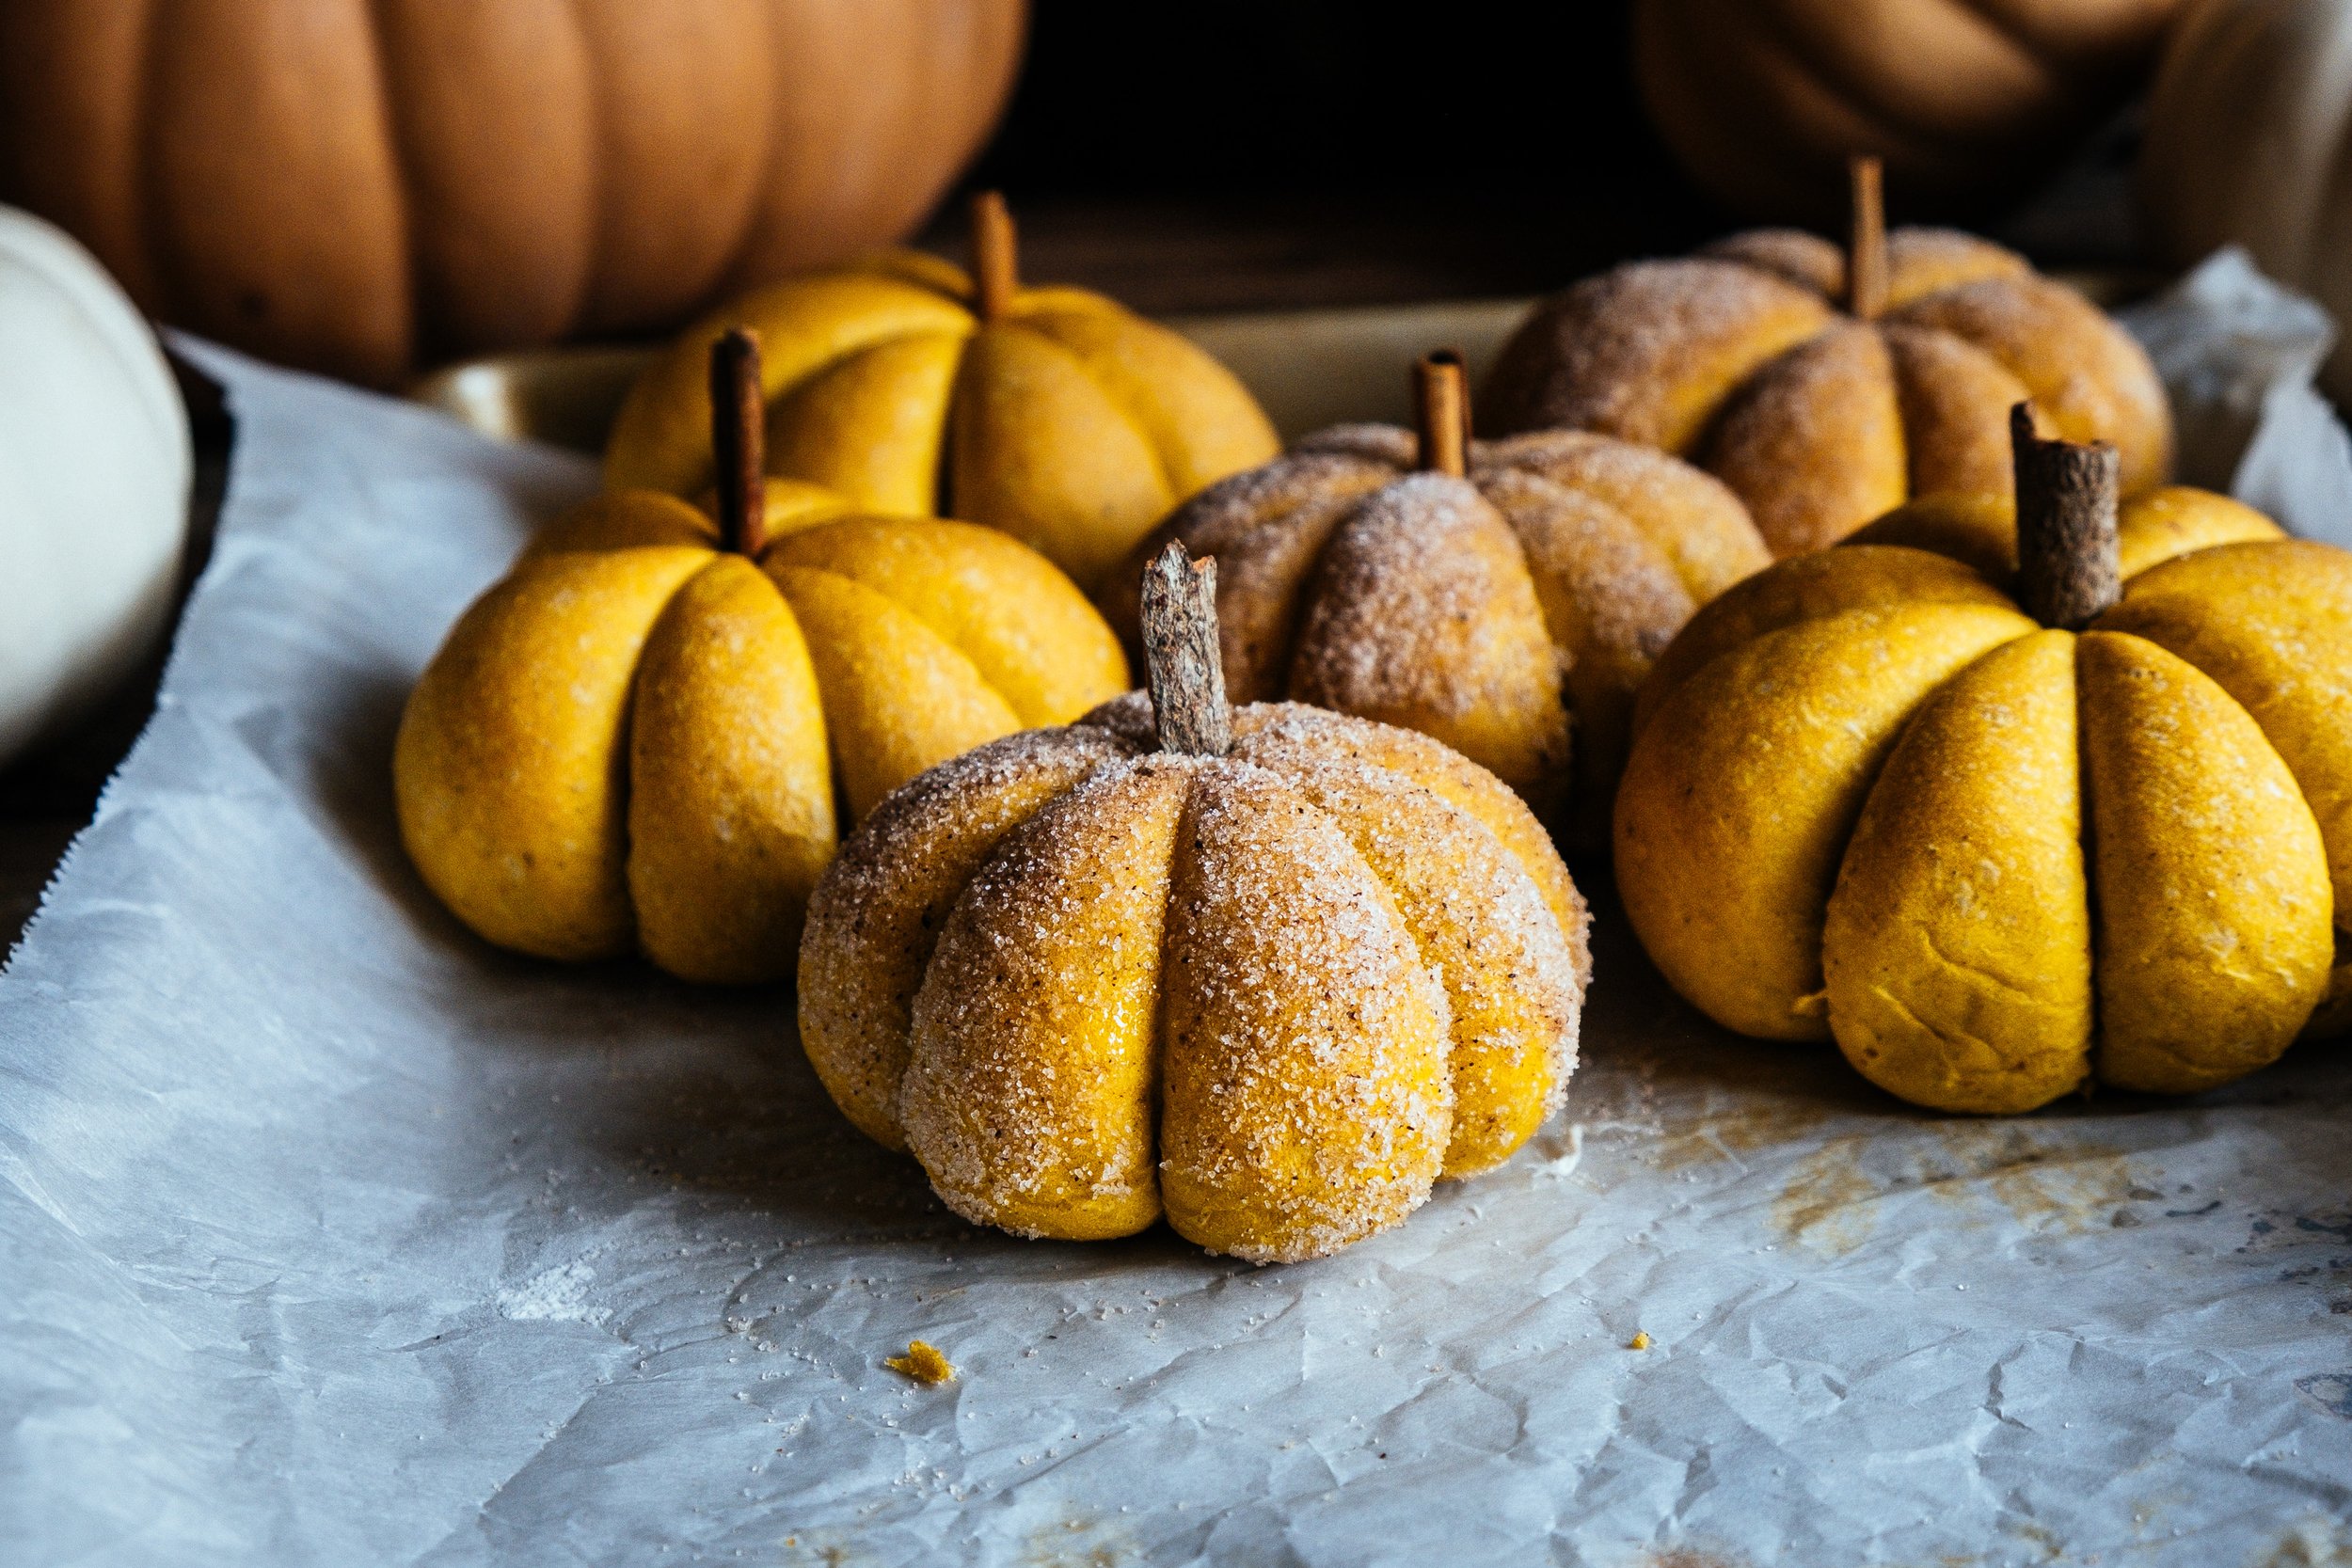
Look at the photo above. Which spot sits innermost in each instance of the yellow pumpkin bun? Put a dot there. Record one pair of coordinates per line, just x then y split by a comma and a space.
2000, 854
1499, 595
1267, 972
645, 735
1741, 359
910, 389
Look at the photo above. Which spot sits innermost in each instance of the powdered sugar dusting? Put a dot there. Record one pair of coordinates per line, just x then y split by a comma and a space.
880, 905
1273, 733
1612, 604
559, 1294
1422, 613
1689, 514
1805, 260
1919, 260
1482, 927
1029, 1094
1646, 351
1426, 627
1308, 1099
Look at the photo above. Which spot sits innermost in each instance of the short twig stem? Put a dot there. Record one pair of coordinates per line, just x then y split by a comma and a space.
1441, 412
738, 429
2069, 561
995, 256
1181, 656
1866, 254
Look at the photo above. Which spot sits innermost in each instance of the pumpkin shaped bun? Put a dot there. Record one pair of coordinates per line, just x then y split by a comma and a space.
1269, 972
910, 388
1997, 846
1493, 594
1739, 359
633, 741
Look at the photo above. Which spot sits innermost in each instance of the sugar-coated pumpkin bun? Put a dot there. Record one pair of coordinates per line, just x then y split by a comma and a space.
1820, 418
646, 736
1267, 972
1506, 598
908, 389
2000, 847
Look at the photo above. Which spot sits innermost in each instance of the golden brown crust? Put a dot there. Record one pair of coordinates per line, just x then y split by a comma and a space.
1978, 532
879, 908
1687, 512
2085, 374
1955, 400
1421, 613
1648, 351
2155, 526
1809, 588
1919, 260
1612, 603
1806, 259
1815, 441
1033, 1064
1270, 732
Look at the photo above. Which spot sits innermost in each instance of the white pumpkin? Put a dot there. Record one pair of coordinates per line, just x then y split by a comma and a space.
94, 469
2249, 128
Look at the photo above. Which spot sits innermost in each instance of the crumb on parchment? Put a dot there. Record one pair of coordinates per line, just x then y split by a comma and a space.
923, 1363
1640, 1340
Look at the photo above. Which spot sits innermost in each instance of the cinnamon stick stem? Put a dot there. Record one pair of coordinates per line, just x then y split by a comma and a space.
1181, 657
1441, 412
739, 429
995, 256
2069, 560
1866, 255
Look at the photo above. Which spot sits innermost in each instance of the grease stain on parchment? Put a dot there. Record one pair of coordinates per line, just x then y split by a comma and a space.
1689, 1557
1989, 1172
1825, 1205
1075, 1543
1736, 1131
2314, 1541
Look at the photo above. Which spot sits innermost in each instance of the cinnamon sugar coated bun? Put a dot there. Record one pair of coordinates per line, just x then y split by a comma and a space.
1271, 995
1742, 359
1508, 611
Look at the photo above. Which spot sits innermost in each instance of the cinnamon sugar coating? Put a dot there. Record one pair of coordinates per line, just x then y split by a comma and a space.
1919, 260
1272, 997
1511, 614
1739, 359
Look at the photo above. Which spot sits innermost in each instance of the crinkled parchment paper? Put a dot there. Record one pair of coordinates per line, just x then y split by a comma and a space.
329, 1236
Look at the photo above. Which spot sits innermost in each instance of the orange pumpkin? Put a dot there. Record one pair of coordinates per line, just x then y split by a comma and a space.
1969, 102
350, 184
